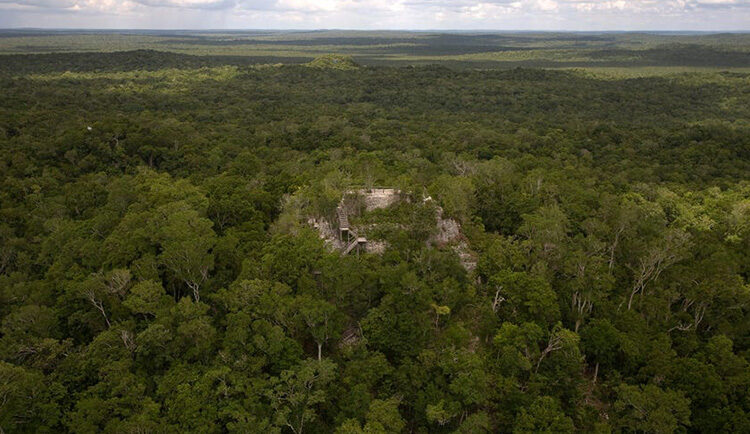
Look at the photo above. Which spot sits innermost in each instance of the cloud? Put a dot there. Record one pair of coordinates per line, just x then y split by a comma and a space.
720, 4
430, 14
51, 4
189, 4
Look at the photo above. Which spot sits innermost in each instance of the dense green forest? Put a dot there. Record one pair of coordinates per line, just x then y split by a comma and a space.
614, 51
159, 271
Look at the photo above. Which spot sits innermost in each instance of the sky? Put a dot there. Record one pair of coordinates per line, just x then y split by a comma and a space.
578, 15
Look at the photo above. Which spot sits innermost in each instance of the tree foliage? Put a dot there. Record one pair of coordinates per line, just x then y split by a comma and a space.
161, 271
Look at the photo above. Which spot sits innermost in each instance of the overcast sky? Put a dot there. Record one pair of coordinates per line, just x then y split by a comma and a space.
380, 14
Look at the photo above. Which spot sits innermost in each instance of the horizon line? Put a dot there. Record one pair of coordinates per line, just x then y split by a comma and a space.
323, 29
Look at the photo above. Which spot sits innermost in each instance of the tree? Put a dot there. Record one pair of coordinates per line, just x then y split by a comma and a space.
456, 195
292, 259
648, 408
114, 402
382, 417
103, 289
475, 423
659, 256
600, 341
230, 201
546, 229
321, 319
523, 349
193, 329
528, 297
296, 392
27, 402
148, 298
498, 204
517, 347
560, 340
543, 416
187, 240
393, 327
29, 337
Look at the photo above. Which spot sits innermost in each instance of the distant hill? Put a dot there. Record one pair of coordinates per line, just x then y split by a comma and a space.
133, 60
334, 61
